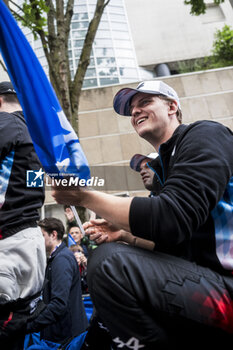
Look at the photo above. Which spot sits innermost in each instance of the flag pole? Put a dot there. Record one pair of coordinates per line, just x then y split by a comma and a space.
78, 219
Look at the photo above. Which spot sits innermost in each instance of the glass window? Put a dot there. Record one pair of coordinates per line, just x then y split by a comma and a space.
79, 16
108, 81
126, 62
124, 53
37, 43
122, 43
103, 34
79, 25
103, 42
91, 72
78, 43
115, 9
119, 26
79, 34
92, 62
117, 17
80, 8
39, 52
72, 74
71, 64
70, 53
77, 53
107, 71
106, 61
117, 34
91, 14
104, 52
103, 25
128, 72
90, 83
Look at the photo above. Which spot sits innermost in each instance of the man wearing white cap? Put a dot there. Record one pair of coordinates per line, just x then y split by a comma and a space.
184, 288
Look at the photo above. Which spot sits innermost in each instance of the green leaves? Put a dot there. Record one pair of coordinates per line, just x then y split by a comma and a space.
198, 7
223, 44
34, 15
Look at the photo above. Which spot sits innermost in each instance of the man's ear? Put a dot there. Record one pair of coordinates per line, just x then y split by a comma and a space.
54, 234
173, 107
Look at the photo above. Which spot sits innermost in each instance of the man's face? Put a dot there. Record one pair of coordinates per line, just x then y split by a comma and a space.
150, 117
76, 234
49, 243
147, 174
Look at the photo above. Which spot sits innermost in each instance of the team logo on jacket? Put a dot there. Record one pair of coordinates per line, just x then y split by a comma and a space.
35, 178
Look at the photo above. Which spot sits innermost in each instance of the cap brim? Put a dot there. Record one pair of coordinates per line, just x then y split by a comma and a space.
121, 102
136, 161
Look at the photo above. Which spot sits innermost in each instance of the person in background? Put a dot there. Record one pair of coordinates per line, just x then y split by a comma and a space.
82, 263
22, 249
141, 164
64, 316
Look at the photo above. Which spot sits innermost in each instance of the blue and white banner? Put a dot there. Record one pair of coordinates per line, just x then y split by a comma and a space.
71, 241
55, 141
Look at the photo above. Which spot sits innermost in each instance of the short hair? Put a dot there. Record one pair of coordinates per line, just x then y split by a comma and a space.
178, 112
52, 224
10, 98
72, 224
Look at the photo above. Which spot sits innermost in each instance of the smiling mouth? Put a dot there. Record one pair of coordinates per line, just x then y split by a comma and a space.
141, 120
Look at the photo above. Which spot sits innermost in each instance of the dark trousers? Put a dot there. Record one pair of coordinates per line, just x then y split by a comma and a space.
149, 298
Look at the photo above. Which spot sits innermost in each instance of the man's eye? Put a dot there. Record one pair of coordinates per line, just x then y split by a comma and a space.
144, 102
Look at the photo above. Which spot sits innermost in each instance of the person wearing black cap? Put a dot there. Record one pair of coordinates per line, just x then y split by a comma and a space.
141, 164
182, 292
22, 248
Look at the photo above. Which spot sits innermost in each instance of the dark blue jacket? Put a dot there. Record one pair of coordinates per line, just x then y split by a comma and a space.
64, 316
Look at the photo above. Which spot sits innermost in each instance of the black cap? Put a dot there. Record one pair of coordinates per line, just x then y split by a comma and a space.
6, 88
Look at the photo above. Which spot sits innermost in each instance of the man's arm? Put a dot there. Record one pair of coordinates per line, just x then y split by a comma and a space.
100, 231
111, 208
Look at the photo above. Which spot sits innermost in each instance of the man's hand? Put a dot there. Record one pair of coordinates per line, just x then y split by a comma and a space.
69, 214
69, 195
100, 231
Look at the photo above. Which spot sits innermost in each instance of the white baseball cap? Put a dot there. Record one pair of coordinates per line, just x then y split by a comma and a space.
121, 102
136, 160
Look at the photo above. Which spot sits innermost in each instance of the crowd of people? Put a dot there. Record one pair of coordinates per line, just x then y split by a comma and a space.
158, 268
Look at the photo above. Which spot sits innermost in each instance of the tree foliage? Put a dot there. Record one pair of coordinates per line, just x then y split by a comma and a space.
223, 44
198, 7
50, 20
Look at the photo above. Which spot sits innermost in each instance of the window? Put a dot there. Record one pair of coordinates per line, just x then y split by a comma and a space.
107, 71
103, 42
79, 25
76, 34
122, 43
104, 52
128, 72
117, 34
109, 81
89, 83
106, 61
90, 72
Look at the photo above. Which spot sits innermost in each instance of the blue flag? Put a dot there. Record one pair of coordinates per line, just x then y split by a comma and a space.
71, 241
55, 141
